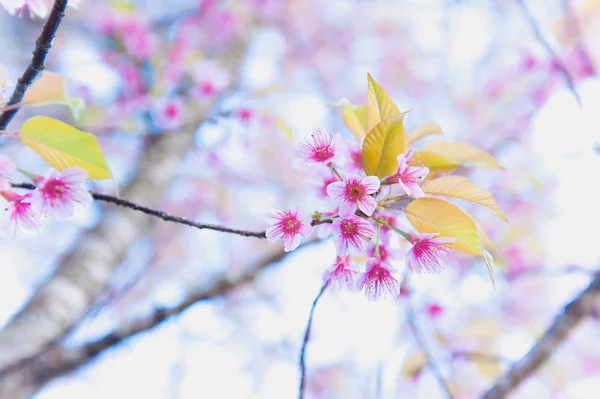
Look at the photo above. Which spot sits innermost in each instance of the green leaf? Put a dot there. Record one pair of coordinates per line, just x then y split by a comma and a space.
464, 154
462, 188
382, 146
355, 118
51, 88
379, 104
64, 146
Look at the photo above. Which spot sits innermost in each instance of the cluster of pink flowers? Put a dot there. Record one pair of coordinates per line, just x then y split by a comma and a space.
357, 222
54, 195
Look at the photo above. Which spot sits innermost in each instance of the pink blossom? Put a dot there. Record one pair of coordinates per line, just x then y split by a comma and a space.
427, 253
245, 115
138, 40
409, 177
386, 254
435, 310
6, 166
321, 148
377, 280
354, 165
288, 227
341, 274
37, 8
61, 191
355, 193
21, 212
210, 79
169, 113
351, 231
328, 177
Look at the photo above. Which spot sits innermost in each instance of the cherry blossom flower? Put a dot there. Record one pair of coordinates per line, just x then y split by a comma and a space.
351, 231
435, 310
210, 79
355, 193
386, 254
354, 165
409, 177
6, 166
321, 148
427, 253
21, 212
341, 274
169, 113
288, 227
377, 280
61, 191
37, 8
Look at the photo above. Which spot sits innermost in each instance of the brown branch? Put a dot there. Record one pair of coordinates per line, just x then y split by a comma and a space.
170, 218
42, 47
582, 306
542, 40
302, 387
31, 375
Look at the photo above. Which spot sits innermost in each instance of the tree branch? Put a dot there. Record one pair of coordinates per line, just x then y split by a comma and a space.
542, 40
170, 218
305, 343
420, 340
30, 376
580, 307
42, 47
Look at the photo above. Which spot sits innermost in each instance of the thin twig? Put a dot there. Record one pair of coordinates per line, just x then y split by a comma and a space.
582, 306
170, 218
478, 357
42, 47
305, 343
412, 324
542, 40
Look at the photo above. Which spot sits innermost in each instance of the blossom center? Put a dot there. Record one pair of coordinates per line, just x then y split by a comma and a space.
291, 225
355, 191
349, 228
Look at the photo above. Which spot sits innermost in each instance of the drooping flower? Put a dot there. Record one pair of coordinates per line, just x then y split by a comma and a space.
341, 274
321, 148
21, 212
355, 193
377, 280
351, 231
385, 253
289, 227
409, 177
169, 113
60, 192
427, 253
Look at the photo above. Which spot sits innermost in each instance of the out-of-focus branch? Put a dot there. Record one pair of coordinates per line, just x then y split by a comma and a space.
420, 340
30, 376
582, 306
84, 272
542, 40
305, 343
42, 47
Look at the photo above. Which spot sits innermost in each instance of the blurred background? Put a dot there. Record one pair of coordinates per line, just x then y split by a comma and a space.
198, 106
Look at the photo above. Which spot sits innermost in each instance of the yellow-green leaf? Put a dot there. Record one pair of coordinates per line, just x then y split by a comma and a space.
379, 105
285, 128
355, 118
464, 154
435, 162
382, 146
50, 88
435, 215
462, 188
414, 364
424, 130
64, 146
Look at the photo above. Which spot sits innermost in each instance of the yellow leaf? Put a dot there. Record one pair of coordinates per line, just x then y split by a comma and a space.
464, 154
64, 146
435, 215
289, 133
379, 105
414, 364
424, 130
51, 88
462, 188
382, 146
355, 118
435, 162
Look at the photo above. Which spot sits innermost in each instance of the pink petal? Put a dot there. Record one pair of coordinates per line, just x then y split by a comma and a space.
336, 190
368, 205
371, 183
347, 209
